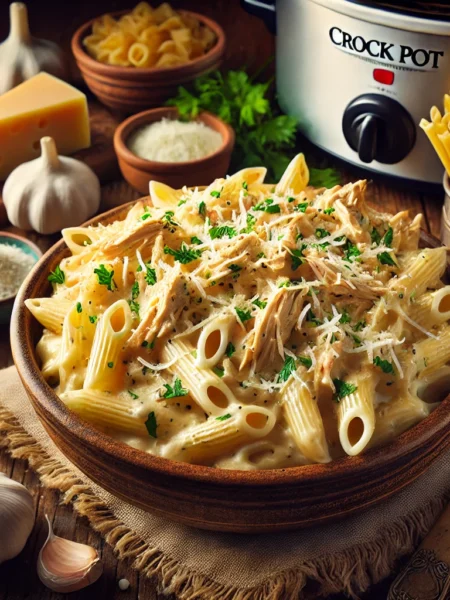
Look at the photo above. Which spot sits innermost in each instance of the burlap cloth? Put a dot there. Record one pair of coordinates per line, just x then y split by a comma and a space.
346, 557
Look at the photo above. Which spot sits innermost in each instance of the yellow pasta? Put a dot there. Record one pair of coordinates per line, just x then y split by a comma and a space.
147, 37
247, 325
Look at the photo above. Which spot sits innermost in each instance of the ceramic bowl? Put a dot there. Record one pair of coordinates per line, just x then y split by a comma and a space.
28, 247
209, 498
138, 171
131, 89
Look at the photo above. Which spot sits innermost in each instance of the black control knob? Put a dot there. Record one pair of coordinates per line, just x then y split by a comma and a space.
378, 128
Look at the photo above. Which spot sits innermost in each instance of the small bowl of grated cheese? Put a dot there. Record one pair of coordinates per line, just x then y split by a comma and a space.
17, 257
156, 145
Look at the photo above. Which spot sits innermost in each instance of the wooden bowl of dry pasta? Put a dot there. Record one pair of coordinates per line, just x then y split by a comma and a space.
132, 89
213, 498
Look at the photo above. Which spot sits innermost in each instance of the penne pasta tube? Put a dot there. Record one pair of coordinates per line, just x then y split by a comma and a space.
295, 178
432, 308
206, 388
432, 354
432, 134
356, 415
424, 271
105, 370
222, 434
305, 421
50, 312
106, 410
48, 350
77, 335
213, 341
434, 388
394, 417
78, 239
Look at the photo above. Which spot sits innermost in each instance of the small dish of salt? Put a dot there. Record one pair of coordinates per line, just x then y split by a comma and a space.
17, 257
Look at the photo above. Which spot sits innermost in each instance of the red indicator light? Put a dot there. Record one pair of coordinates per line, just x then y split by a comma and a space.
383, 76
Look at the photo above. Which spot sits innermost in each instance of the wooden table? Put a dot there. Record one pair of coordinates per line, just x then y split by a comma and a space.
18, 579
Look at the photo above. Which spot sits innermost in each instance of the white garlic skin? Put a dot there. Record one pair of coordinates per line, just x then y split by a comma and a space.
23, 56
16, 517
51, 192
66, 566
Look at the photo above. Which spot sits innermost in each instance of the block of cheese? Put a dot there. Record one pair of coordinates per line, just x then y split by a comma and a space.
43, 105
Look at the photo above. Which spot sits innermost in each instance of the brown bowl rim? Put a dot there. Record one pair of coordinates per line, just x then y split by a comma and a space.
127, 127
25, 361
32, 245
96, 66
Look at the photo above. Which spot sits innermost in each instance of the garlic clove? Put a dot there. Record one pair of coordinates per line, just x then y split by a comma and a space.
16, 517
66, 566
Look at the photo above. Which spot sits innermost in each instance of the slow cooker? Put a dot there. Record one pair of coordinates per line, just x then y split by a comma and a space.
359, 75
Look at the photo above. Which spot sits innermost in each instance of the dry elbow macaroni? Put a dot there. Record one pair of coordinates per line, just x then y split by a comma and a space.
148, 37
249, 326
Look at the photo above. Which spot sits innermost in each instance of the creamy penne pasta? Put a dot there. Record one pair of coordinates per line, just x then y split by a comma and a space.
249, 326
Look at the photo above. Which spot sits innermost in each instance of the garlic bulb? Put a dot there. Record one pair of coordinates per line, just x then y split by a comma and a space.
16, 517
66, 566
22, 56
51, 192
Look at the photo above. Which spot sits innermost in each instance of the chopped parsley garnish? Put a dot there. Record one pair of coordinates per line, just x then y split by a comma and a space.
243, 315
196, 240
133, 395
321, 233
343, 389
135, 290
385, 365
150, 276
351, 251
329, 211
260, 255
151, 424
297, 257
251, 220
375, 236
388, 237
202, 209
235, 268
230, 349
134, 306
345, 318
268, 206
386, 259
146, 214
245, 185
105, 277
311, 317
219, 371
221, 231
223, 417
169, 223
79, 307
93, 318
182, 201
301, 207
259, 303
288, 367
291, 199
216, 194
176, 391
145, 344
184, 255
359, 326
110, 365
57, 276
306, 361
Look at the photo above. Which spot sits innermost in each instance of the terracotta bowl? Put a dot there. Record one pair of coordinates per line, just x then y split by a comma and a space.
29, 248
209, 498
130, 89
138, 171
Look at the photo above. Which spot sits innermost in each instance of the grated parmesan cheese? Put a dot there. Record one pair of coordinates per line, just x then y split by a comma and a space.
15, 264
174, 141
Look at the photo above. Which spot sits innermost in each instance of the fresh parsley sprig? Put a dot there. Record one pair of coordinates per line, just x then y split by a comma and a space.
176, 390
184, 255
57, 276
105, 277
